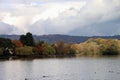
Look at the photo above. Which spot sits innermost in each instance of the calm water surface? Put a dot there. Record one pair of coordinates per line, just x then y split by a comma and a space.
61, 69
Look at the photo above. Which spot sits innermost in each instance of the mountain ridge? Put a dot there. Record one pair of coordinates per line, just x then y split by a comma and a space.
52, 38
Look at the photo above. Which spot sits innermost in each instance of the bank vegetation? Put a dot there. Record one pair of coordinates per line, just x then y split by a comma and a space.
27, 47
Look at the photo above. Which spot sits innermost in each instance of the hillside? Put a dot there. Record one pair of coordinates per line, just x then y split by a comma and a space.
65, 38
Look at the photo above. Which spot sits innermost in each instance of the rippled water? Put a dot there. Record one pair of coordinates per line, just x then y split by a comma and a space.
61, 69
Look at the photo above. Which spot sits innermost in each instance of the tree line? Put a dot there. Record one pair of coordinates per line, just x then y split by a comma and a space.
27, 47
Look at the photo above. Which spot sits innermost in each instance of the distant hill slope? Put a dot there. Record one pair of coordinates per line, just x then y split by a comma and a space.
12, 37
65, 38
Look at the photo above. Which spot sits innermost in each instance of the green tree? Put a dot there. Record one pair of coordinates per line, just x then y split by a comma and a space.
27, 39
6, 42
48, 50
23, 39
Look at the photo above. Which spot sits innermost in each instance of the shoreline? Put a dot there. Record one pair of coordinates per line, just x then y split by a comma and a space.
58, 57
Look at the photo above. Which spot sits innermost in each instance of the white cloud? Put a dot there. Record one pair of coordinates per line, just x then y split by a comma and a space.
59, 16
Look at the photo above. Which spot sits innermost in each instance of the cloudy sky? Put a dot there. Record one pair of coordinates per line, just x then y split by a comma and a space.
73, 17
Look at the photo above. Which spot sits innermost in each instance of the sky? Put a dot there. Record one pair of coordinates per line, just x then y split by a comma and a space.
69, 17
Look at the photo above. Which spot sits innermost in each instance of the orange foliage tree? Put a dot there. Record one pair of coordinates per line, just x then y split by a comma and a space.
17, 43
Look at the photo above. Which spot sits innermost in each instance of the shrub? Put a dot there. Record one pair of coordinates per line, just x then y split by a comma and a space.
24, 51
48, 50
1, 51
111, 47
5, 43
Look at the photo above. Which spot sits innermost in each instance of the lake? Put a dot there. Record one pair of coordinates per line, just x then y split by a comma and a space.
84, 68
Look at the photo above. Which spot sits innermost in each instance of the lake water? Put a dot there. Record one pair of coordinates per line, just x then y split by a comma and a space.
84, 68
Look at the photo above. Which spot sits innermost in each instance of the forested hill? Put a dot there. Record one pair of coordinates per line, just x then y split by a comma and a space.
65, 38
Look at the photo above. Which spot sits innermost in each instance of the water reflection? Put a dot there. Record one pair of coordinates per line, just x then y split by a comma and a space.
61, 69
15, 70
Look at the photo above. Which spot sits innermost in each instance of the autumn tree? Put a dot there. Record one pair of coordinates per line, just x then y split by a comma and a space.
38, 49
44, 49
64, 49
17, 43
59, 48
110, 47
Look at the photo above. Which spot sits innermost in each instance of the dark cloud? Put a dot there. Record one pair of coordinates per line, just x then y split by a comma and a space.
9, 29
6, 28
104, 29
